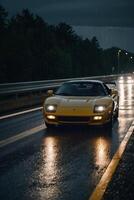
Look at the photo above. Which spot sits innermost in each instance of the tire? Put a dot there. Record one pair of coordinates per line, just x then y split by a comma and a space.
117, 109
110, 123
117, 114
49, 126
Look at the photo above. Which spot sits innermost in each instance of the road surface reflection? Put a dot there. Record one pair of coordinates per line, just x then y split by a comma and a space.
74, 159
67, 163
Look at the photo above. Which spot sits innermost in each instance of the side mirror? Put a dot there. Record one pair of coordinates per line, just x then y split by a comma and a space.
50, 92
114, 92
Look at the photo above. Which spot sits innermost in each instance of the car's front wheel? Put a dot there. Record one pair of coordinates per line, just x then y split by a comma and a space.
110, 123
49, 126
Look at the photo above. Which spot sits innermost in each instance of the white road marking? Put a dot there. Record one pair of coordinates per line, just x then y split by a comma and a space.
101, 187
21, 135
20, 113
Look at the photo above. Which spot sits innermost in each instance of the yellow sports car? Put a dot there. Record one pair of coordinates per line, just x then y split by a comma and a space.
81, 102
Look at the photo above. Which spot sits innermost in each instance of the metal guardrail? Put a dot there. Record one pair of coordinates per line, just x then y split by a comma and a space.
24, 87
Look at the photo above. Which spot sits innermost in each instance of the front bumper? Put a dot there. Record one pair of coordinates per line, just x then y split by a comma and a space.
96, 119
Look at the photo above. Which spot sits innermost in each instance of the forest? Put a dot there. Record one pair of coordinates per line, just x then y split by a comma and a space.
31, 50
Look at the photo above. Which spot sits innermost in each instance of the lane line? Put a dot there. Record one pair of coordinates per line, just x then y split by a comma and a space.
20, 113
100, 189
21, 135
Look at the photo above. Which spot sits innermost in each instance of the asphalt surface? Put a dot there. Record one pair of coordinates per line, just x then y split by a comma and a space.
121, 186
65, 164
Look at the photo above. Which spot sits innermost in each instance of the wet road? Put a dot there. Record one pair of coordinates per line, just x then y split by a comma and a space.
65, 164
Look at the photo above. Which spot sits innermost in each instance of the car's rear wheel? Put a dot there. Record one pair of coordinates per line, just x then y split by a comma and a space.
117, 114
117, 109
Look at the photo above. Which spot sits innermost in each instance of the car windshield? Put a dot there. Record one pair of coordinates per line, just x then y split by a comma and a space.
81, 89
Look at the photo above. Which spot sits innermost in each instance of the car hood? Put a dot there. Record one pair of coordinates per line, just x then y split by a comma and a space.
78, 101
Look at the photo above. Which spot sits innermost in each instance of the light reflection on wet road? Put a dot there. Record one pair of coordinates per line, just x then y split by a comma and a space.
64, 164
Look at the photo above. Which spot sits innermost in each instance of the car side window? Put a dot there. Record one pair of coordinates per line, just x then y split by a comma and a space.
102, 92
107, 89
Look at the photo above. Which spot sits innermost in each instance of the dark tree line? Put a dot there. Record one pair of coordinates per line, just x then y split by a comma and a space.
30, 49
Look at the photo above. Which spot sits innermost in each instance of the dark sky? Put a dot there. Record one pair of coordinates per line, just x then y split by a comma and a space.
84, 13
121, 37
79, 12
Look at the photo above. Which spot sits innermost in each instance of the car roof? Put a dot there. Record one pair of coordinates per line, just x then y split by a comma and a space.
84, 81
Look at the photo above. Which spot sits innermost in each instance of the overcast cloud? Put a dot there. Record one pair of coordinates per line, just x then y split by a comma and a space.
112, 21
78, 12
109, 36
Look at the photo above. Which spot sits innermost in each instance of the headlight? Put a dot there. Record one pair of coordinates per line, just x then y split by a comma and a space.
99, 109
50, 108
